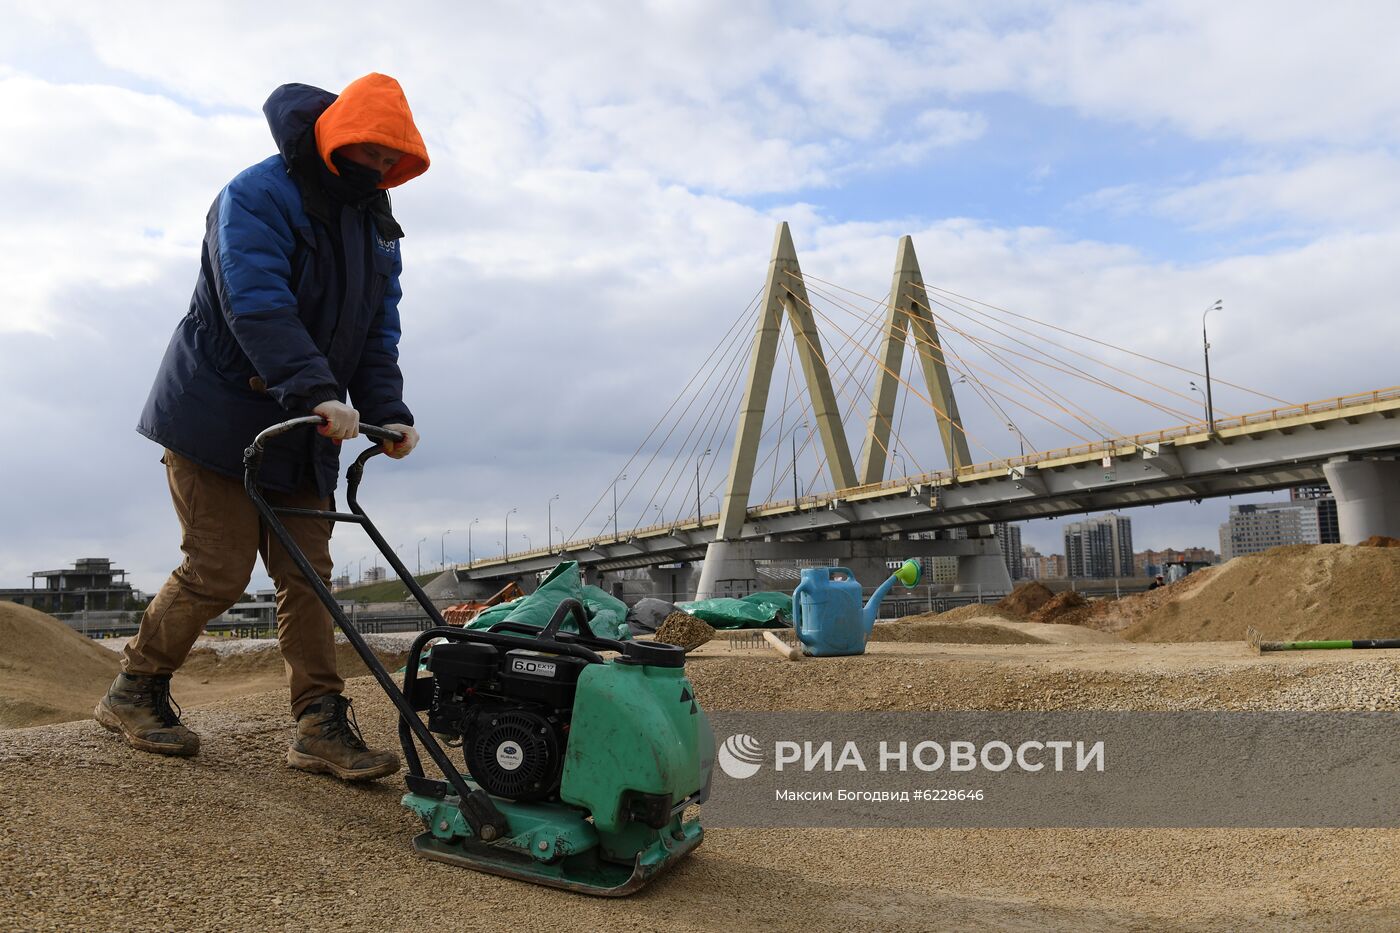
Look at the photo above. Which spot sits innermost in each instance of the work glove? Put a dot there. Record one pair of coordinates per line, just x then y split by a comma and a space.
342, 421
400, 449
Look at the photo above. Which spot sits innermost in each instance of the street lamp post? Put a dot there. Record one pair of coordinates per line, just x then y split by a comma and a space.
529, 545
903, 467
420, 555
360, 572
549, 522
471, 558
1205, 411
1205, 344
615, 482
697, 486
442, 547
506, 547
1019, 436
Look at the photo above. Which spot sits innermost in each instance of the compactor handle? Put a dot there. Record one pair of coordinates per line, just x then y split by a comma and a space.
368, 430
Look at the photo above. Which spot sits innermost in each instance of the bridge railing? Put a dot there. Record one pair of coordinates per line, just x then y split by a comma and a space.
1111, 445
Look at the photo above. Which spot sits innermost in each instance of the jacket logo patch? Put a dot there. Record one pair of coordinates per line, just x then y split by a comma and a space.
388, 247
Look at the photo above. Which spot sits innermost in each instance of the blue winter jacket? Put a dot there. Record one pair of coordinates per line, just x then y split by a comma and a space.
296, 304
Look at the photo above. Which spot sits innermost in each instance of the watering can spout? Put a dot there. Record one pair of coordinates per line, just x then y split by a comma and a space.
908, 574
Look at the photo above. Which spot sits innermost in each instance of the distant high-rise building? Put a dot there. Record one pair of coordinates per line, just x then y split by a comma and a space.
1099, 548
1009, 537
1328, 531
1259, 526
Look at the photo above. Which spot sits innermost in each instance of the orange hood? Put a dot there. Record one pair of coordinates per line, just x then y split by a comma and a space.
373, 109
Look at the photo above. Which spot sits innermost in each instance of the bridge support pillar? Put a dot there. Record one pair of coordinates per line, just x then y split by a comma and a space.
1368, 497
985, 569
728, 570
673, 584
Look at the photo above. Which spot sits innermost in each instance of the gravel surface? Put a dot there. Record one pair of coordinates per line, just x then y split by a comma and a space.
94, 836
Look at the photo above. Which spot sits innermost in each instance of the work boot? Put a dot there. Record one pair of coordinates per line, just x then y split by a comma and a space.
138, 707
329, 742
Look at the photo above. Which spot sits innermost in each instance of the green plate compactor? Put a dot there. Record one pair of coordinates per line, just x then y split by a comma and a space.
582, 754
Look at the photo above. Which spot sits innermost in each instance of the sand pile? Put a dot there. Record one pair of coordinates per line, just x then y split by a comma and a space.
1067, 608
976, 611
1303, 591
1026, 599
964, 614
685, 630
48, 672
252, 657
920, 629
1380, 541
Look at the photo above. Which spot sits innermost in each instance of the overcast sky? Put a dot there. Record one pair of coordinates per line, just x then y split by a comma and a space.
605, 184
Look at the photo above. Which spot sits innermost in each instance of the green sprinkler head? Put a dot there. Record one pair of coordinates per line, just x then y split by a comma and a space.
908, 573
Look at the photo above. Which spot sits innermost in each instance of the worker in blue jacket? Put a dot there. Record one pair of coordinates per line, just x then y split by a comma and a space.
295, 311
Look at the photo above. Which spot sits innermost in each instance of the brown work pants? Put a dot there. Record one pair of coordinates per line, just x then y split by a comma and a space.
222, 536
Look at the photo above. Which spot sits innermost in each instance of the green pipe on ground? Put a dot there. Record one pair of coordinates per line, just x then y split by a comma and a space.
1329, 645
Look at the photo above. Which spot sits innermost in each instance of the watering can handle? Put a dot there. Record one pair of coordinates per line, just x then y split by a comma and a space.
850, 574
797, 608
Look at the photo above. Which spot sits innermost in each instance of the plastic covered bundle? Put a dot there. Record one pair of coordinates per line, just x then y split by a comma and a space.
757, 610
607, 615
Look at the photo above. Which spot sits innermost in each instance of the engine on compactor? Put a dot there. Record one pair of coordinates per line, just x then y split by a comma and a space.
509, 709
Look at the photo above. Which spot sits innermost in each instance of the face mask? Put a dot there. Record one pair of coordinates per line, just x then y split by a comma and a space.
355, 183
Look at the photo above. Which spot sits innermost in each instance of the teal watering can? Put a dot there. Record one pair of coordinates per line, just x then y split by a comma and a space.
827, 616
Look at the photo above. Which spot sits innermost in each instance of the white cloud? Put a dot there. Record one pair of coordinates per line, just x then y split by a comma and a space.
1350, 189
112, 184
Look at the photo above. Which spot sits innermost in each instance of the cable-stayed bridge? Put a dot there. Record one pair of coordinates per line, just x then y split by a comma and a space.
914, 347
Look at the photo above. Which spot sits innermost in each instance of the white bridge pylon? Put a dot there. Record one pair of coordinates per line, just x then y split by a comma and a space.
908, 310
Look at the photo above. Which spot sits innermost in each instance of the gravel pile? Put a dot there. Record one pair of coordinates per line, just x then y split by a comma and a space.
685, 630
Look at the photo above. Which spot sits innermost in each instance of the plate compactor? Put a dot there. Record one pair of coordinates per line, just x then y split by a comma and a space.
582, 754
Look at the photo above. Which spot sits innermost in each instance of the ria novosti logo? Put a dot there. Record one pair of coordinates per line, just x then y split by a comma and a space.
740, 756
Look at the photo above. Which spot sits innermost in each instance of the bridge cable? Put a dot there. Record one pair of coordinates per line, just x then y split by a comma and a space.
1110, 346
733, 353
1041, 388
743, 315
1042, 338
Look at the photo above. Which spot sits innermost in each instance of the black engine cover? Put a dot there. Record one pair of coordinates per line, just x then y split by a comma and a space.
513, 753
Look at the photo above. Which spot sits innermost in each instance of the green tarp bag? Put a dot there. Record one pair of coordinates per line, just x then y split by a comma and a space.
607, 615
782, 602
757, 610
